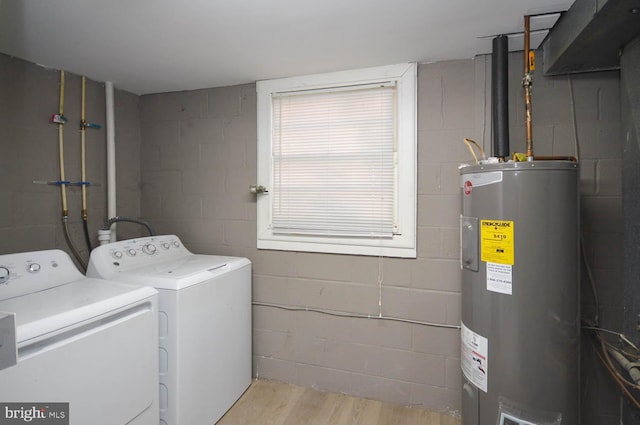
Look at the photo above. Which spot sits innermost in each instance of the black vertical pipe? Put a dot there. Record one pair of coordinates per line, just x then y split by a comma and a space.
500, 96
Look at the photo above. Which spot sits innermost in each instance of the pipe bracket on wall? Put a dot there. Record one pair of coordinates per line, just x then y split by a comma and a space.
52, 182
65, 182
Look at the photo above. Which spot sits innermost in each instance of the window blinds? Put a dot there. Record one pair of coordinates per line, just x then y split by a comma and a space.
334, 161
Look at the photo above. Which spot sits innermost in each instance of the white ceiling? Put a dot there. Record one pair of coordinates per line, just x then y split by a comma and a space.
152, 46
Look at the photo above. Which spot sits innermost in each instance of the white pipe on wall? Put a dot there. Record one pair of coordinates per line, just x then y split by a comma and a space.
111, 157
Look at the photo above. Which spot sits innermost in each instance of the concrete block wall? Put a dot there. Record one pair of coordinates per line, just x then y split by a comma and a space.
599, 134
579, 115
199, 158
198, 161
30, 217
186, 160
630, 105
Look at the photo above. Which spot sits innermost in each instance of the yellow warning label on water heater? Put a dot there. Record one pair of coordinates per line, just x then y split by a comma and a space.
496, 241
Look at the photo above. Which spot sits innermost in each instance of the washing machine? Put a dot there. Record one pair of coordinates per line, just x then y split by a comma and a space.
205, 322
65, 338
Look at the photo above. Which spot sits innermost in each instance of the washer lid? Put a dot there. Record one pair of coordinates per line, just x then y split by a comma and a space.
64, 306
182, 272
159, 261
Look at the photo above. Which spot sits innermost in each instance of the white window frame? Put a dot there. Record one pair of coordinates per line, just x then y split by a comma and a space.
400, 245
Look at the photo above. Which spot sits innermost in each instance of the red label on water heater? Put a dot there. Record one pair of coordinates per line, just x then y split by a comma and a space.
467, 187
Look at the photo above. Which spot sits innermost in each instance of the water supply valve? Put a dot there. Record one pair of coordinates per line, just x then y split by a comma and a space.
58, 119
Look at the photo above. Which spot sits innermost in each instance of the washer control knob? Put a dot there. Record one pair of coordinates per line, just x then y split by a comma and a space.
165, 245
176, 244
131, 252
33, 268
149, 249
117, 255
4, 274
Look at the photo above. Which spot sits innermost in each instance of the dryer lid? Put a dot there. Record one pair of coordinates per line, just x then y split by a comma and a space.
71, 304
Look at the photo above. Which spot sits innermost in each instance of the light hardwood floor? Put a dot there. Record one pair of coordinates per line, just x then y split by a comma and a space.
275, 403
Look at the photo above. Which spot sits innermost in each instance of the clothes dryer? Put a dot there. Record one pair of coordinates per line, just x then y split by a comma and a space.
87, 342
205, 322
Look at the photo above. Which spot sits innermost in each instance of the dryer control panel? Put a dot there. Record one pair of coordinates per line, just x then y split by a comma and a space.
28, 272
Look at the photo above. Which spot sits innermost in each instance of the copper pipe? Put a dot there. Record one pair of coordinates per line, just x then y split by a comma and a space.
556, 158
83, 127
63, 182
63, 187
526, 82
83, 163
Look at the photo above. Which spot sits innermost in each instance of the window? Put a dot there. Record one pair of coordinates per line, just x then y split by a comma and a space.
337, 154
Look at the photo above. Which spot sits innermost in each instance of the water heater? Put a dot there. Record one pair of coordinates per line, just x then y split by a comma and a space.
519, 235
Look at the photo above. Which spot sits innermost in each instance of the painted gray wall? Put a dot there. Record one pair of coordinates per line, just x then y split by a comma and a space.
195, 154
199, 158
630, 66
30, 217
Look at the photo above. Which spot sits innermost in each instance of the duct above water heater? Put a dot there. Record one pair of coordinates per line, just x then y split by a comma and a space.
520, 317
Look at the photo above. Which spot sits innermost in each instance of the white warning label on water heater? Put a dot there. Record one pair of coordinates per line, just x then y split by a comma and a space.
474, 357
499, 278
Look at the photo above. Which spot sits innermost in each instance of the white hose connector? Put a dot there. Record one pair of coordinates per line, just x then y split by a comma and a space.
104, 236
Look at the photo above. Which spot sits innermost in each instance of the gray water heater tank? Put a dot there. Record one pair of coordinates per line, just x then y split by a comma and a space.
520, 336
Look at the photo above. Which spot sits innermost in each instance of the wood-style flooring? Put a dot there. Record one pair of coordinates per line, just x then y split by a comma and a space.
275, 403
